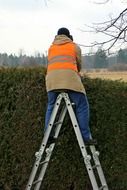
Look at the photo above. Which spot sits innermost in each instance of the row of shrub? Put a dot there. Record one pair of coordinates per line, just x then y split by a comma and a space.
22, 112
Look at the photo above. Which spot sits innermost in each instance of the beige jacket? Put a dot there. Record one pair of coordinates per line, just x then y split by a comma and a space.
63, 78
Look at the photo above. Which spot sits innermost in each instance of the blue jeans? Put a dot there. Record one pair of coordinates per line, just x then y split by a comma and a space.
81, 110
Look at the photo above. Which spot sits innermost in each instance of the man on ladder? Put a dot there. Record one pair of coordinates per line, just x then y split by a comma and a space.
64, 65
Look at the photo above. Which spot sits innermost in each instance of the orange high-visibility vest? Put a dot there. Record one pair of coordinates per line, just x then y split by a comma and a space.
62, 56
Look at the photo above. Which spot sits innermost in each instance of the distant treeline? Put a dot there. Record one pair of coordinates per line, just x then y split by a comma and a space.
97, 60
101, 60
22, 60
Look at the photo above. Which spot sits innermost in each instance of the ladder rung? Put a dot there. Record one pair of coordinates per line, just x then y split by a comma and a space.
43, 162
95, 166
103, 186
57, 123
37, 181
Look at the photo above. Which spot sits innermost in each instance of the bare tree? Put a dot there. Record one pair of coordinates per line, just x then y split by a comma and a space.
114, 28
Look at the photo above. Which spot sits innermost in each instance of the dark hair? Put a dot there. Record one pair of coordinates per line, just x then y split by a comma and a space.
64, 31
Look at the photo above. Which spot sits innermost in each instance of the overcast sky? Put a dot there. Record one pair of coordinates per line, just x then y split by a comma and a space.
31, 25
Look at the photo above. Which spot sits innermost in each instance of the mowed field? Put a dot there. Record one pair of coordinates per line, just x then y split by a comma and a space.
105, 74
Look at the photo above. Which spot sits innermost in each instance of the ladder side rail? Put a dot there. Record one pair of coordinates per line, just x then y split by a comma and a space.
49, 151
51, 148
98, 167
44, 142
81, 143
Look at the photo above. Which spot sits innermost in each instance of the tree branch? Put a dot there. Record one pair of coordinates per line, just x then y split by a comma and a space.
115, 28
100, 3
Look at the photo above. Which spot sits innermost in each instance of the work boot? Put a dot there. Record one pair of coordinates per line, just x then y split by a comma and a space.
90, 142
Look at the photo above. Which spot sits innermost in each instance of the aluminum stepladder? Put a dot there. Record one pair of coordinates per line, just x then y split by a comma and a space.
35, 180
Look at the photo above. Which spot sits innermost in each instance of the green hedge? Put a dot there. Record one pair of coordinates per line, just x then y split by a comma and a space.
22, 111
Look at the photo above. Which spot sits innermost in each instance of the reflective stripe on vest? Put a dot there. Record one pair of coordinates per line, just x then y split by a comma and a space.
62, 57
